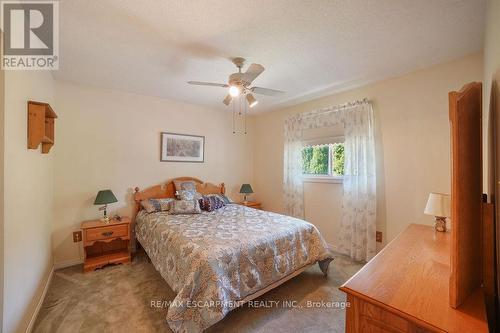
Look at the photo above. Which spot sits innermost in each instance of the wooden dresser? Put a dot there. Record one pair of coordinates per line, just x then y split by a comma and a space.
405, 288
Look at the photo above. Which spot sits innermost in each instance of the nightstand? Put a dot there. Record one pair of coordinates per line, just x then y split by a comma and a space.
105, 243
251, 204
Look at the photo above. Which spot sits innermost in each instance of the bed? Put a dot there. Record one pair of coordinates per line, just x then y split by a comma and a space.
216, 261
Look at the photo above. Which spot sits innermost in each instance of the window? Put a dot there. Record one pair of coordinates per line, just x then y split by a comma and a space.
323, 162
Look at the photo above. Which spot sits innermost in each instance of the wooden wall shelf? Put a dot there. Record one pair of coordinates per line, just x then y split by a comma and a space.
41, 123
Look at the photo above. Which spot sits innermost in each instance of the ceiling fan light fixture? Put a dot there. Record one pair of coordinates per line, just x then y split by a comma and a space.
238, 84
234, 91
227, 100
251, 100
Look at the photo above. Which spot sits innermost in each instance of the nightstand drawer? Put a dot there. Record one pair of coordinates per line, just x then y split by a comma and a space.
107, 232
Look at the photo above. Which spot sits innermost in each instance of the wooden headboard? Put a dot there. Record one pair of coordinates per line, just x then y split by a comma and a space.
168, 190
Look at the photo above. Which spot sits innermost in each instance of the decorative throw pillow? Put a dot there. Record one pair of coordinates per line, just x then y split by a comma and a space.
188, 195
157, 205
184, 195
187, 185
185, 207
211, 203
224, 198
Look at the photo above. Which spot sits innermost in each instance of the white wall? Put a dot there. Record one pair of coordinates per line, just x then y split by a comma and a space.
28, 201
110, 139
323, 202
413, 147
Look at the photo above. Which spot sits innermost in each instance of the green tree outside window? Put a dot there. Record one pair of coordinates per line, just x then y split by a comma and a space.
316, 161
338, 159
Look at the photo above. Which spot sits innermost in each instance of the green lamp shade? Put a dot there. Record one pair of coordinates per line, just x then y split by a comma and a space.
246, 188
104, 197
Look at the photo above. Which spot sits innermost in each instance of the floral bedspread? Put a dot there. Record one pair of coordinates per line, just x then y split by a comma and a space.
215, 259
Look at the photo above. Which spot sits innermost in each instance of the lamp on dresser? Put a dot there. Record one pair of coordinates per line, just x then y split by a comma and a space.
438, 205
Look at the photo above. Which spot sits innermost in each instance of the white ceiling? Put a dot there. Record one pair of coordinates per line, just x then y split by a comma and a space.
308, 47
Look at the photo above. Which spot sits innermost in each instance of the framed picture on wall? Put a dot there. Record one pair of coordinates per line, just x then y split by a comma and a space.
182, 148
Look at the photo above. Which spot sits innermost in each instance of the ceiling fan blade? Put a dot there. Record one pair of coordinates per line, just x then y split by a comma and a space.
266, 91
199, 83
252, 72
227, 100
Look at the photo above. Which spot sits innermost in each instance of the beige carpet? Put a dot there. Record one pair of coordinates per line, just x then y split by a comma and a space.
119, 299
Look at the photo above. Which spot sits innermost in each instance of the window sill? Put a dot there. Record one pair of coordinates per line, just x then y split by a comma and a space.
318, 179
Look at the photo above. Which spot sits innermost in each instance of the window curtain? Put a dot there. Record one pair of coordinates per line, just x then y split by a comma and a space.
359, 203
293, 187
358, 224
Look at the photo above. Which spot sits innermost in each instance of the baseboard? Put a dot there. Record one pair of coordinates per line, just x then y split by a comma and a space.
67, 263
40, 302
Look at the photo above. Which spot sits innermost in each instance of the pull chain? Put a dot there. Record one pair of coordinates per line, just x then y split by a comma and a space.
242, 111
245, 117
234, 129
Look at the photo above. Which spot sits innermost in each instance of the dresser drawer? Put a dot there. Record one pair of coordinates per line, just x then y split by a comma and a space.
365, 317
376, 319
103, 233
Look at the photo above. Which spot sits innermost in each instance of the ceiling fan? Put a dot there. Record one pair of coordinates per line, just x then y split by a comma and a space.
239, 84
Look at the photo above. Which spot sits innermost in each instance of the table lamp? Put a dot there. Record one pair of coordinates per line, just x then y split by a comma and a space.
105, 197
246, 189
438, 205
